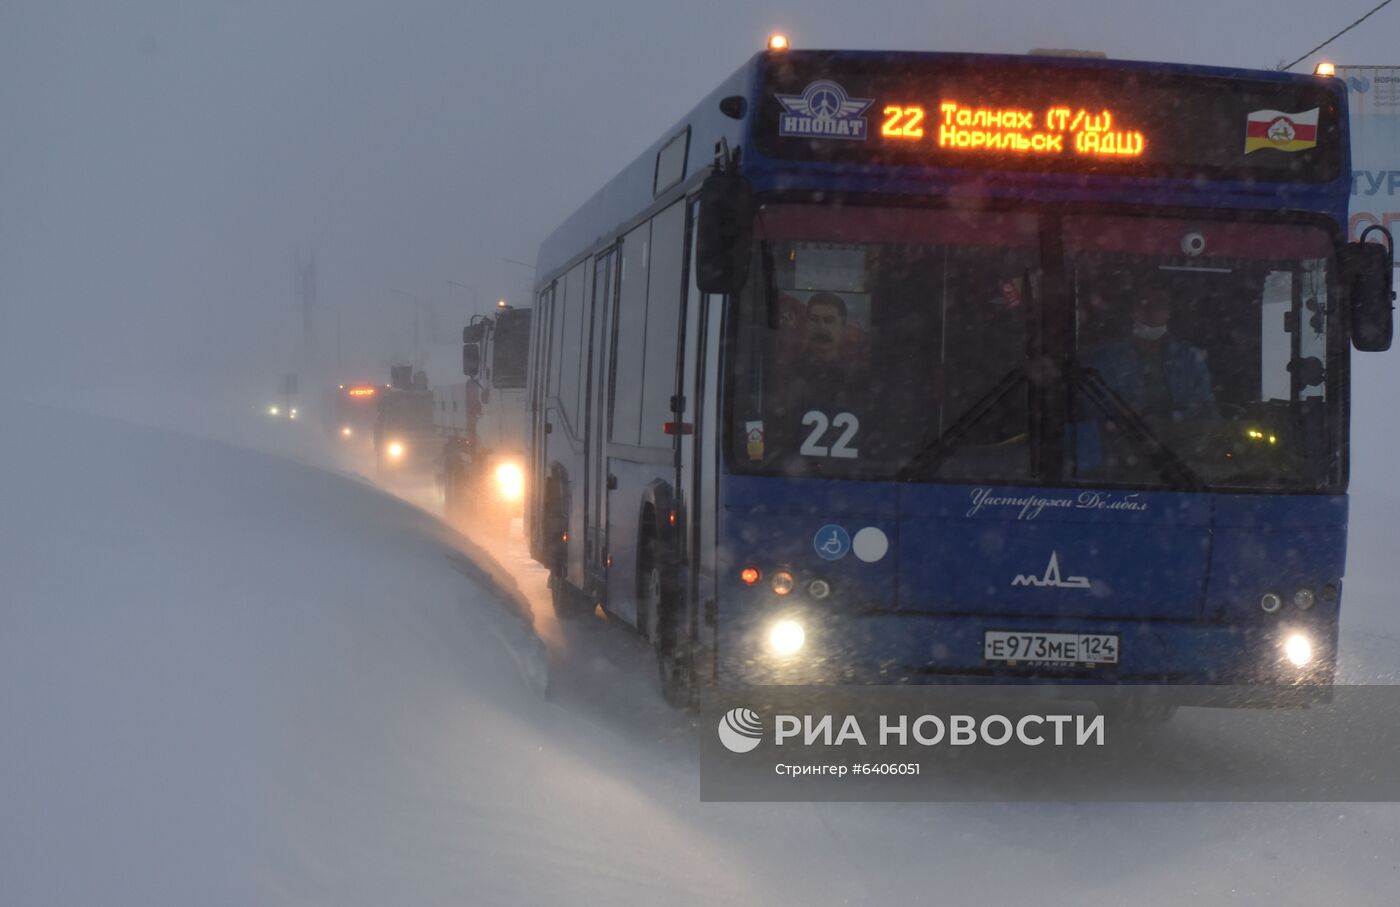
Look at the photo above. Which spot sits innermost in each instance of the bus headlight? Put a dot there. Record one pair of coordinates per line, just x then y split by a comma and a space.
1298, 650
786, 637
1304, 599
395, 450
345, 431
510, 482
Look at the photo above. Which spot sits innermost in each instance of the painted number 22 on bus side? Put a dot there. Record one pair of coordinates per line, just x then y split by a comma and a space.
818, 422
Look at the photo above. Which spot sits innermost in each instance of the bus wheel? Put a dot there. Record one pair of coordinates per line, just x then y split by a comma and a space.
569, 604
658, 619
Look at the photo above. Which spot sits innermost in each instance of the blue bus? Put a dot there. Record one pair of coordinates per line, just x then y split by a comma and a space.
924, 367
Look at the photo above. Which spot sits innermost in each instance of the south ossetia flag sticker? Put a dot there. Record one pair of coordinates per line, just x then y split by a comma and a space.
1281, 131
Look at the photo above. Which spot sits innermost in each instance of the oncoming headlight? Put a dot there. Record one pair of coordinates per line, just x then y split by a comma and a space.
510, 482
395, 450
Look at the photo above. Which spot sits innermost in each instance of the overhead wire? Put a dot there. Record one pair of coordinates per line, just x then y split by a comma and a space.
1377, 8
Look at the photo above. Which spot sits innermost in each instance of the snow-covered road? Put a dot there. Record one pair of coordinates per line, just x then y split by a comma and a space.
230, 677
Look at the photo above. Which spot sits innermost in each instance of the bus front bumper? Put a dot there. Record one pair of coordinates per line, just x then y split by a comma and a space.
806, 646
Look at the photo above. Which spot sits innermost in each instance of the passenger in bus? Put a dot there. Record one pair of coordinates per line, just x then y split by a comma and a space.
826, 328
825, 375
828, 362
1158, 374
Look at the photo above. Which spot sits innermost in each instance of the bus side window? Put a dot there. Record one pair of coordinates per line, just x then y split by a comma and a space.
571, 358
631, 336
664, 291
556, 337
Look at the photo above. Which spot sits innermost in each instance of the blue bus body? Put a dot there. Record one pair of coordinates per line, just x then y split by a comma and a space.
917, 572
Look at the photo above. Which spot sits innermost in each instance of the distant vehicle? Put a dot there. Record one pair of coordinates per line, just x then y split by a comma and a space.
405, 442
481, 419
282, 411
891, 396
349, 411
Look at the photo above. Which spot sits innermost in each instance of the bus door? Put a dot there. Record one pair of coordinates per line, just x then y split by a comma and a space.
539, 371
597, 420
699, 452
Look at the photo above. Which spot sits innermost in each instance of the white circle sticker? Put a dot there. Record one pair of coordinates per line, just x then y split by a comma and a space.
870, 544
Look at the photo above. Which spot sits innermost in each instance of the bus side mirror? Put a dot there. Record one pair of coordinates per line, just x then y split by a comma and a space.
471, 359
724, 234
1368, 271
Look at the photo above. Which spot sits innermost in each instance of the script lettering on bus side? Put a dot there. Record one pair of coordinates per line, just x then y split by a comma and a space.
1058, 130
1030, 506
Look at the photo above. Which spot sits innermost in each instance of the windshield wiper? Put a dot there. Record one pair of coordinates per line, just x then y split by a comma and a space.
928, 460
1168, 464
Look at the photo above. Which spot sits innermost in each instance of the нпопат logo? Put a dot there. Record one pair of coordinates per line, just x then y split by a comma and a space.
823, 111
740, 730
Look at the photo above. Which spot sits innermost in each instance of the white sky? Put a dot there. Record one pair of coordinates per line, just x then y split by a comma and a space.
161, 160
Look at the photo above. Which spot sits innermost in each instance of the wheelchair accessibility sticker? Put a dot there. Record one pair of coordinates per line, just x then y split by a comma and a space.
832, 542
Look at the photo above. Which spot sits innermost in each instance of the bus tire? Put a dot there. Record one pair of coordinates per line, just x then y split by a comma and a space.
569, 603
659, 619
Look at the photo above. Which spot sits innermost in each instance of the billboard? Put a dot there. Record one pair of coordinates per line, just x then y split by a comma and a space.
1373, 93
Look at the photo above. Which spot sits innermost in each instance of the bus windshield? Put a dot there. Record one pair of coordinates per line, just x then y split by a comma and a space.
929, 345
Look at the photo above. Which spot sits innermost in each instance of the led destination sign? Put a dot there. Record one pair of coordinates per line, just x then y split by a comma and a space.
1056, 130
1041, 115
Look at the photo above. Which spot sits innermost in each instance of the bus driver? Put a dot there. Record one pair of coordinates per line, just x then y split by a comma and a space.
1157, 374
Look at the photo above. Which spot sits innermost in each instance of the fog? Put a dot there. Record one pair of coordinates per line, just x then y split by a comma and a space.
164, 162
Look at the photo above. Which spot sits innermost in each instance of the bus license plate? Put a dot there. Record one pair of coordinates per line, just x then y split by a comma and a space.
1055, 648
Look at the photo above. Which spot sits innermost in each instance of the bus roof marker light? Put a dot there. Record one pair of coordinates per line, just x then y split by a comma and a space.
1324, 69
777, 42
